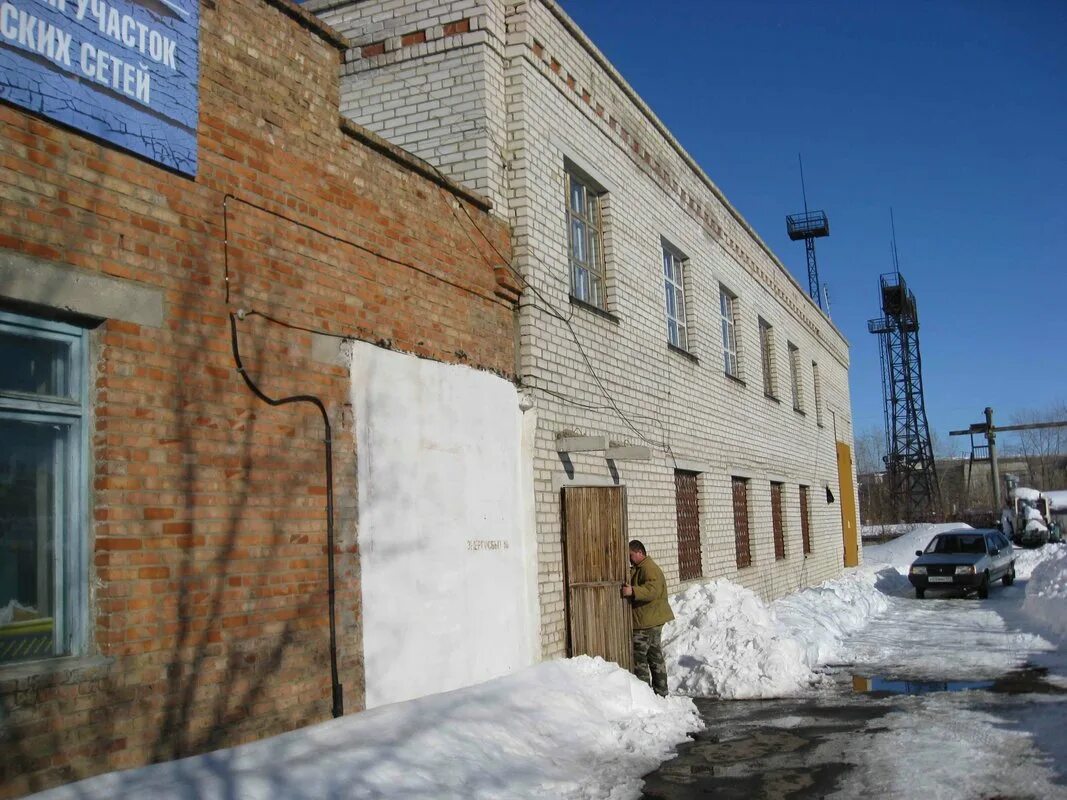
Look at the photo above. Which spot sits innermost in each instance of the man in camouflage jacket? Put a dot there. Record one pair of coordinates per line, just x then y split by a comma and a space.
650, 610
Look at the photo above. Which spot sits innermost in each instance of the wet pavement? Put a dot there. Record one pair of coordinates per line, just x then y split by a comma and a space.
813, 747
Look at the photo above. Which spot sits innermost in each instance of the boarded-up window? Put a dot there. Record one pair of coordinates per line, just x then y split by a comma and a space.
741, 542
685, 493
805, 523
777, 523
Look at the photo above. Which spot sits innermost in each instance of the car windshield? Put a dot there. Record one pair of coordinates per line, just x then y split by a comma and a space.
957, 544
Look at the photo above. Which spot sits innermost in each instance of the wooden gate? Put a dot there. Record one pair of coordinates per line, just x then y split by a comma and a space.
596, 565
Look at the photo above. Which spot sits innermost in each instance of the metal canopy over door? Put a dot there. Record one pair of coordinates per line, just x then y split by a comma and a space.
848, 505
596, 565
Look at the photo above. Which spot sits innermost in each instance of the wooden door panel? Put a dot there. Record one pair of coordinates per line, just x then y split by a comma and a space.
596, 566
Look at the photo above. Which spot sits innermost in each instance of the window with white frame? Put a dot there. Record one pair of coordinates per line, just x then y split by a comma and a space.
585, 241
794, 377
728, 311
817, 387
766, 349
43, 563
674, 286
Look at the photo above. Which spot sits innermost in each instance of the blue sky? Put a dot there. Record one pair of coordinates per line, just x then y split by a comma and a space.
952, 113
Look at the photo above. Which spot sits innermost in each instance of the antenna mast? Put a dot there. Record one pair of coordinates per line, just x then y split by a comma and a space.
809, 226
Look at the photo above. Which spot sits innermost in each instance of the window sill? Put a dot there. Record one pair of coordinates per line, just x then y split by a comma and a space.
594, 309
682, 352
799, 411
772, 397
67, 669
735, 379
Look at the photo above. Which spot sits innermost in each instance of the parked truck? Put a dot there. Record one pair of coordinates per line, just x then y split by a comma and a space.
1028, 519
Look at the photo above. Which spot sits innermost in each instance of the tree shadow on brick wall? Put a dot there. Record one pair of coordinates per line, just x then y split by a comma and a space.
226, 623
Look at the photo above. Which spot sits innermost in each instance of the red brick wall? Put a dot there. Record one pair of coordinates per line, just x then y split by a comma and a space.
208, 610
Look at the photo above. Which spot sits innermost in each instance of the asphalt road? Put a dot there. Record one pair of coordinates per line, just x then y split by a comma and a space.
842, 743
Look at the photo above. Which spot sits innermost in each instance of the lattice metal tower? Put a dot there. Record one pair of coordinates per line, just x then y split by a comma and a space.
910, 469
809, 226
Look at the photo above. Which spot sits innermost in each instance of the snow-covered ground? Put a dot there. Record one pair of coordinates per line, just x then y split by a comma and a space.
563, 730
582, 728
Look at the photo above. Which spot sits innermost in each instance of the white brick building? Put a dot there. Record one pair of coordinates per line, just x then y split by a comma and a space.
612, 221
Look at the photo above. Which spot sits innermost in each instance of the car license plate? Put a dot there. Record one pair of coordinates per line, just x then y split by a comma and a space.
940, 579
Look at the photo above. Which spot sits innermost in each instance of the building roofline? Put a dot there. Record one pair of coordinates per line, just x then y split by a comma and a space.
312, 23
587, 44
412, 162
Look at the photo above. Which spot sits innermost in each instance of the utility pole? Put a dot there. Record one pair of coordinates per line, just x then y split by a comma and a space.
991, 438
990, 431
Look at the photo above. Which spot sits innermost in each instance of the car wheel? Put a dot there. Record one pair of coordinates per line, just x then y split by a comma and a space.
983, 587
920, 593
1009, 576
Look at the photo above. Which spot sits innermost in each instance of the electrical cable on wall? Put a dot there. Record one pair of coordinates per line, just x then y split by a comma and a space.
338, 695
550, 309
337, 690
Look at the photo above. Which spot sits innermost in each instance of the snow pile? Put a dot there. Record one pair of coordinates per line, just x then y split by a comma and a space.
1046, 591
821, 617
900, 552
1034, 520
726, 642
1024, 493
572, 730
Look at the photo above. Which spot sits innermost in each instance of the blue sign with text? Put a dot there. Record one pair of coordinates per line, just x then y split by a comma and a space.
125, 71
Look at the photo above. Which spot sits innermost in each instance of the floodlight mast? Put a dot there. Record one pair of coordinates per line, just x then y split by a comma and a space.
913, 487
809, 226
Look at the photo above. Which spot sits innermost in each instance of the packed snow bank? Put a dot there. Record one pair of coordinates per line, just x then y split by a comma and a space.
900, 552
575, 729
726, 642
1046, 592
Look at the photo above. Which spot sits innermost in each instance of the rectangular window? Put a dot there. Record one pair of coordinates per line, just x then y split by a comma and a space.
585, 237
674, 285
688, 511
777, 522
816, 383
42, 556
805, 522
794, 376
766, 349
741, 540
728, 310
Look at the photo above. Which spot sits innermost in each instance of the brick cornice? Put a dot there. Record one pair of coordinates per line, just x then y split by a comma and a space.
311, 22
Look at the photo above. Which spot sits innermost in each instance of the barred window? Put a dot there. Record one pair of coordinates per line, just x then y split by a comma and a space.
777, 521
805, 521
742, 545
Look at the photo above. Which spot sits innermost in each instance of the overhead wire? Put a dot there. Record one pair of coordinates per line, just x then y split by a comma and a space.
549, 308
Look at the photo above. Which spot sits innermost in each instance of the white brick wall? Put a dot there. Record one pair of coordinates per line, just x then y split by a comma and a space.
502, 113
